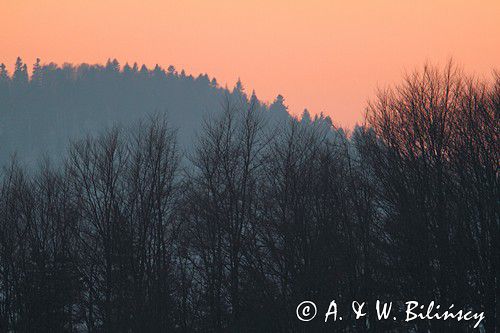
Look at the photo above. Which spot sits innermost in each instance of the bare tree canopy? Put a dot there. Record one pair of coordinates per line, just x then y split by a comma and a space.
130, 234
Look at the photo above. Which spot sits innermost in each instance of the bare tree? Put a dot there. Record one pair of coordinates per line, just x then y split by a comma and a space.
434, 156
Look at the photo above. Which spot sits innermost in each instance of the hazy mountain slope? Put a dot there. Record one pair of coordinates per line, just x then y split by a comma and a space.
40, 113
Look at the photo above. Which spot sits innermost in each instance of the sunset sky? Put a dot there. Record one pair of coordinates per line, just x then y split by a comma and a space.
326, 55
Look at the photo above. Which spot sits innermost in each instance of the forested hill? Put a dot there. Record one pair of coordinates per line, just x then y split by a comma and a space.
42, 112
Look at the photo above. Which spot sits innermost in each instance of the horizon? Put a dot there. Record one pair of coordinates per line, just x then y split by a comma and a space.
325, 56
294, 113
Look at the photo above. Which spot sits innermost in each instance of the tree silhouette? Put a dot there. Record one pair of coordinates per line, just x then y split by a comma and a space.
129, 232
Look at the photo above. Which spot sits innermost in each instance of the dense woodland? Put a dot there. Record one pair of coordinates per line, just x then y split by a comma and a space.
130, 232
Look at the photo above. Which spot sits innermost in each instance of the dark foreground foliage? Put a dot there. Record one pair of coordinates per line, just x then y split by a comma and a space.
129, 236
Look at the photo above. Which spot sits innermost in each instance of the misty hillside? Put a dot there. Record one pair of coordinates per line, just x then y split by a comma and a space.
41, 112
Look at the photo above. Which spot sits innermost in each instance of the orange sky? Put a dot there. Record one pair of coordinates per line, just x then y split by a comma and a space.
326, 55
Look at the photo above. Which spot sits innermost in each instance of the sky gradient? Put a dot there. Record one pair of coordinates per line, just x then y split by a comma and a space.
326, 55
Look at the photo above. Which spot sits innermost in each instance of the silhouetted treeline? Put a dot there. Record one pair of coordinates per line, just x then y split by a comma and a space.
41, 112
130, 235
